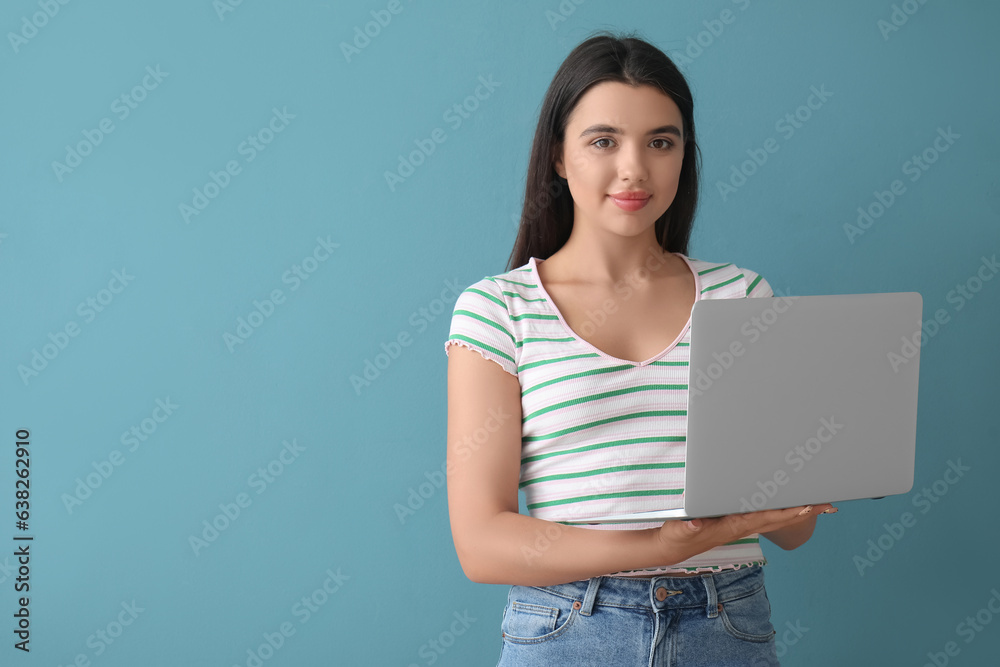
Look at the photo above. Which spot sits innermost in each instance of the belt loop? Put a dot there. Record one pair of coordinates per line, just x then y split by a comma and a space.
590, 596
713, 602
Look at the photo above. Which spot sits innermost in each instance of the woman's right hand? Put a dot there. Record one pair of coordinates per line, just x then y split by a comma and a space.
683, 539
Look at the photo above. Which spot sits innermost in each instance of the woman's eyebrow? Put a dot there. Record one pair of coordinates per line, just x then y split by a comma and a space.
608, 129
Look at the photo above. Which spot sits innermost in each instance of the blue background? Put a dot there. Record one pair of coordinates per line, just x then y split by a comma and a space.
402, 253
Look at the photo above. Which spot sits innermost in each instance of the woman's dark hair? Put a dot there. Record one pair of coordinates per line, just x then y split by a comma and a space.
547, 216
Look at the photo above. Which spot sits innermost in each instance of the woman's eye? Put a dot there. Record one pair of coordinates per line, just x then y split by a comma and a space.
665, 144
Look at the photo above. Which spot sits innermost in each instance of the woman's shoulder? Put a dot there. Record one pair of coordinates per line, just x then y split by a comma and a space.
487, 314
728, 280
516, 282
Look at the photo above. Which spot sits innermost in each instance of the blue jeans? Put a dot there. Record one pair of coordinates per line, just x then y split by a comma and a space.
721, 619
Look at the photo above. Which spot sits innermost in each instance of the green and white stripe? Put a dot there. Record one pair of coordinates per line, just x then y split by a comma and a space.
599, 435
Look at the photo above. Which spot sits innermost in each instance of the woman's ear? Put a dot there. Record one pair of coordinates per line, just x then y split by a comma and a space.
557, 164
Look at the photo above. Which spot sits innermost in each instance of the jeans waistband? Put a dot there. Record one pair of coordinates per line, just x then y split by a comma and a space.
707, 590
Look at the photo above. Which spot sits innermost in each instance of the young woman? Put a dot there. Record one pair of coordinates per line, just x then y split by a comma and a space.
567, 378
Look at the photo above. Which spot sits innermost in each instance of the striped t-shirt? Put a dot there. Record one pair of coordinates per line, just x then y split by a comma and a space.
599, 435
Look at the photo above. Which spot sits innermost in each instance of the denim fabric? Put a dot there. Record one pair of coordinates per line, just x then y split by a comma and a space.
721, 619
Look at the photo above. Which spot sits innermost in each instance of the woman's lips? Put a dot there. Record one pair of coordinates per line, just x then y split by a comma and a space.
629, 204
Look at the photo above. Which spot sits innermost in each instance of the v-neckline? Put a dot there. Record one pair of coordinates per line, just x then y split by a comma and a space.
533, 263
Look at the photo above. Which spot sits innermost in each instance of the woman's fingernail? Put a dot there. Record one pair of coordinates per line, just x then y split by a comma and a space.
806, 511
832, 510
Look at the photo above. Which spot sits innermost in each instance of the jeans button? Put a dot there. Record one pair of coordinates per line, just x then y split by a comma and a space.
661, 593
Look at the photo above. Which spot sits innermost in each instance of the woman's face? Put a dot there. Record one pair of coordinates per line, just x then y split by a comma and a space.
618, 139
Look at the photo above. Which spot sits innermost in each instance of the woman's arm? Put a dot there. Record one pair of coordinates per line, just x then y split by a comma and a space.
792, 537
497, 545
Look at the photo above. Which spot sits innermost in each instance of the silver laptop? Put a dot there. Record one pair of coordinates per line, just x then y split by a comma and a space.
798, 401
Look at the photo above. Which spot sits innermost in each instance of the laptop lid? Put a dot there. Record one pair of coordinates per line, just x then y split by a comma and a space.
798, 400
801, 400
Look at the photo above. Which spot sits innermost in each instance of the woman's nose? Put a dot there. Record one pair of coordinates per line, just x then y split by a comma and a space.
631, 164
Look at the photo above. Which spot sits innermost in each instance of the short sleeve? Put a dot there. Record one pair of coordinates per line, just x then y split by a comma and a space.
482, 322
756, 286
